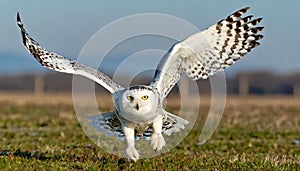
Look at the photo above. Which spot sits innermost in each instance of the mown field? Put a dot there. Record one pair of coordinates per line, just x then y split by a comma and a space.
257, 133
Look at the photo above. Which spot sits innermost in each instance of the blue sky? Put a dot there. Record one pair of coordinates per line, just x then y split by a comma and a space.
65, 27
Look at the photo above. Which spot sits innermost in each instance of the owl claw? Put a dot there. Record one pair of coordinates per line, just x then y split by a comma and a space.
157, 142
132, 153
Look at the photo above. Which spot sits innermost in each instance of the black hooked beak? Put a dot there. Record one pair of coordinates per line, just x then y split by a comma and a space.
137, 106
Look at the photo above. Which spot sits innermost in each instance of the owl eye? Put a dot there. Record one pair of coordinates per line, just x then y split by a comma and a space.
145, 97
130, 98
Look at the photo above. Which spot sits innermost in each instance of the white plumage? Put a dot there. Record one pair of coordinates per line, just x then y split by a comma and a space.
139, 112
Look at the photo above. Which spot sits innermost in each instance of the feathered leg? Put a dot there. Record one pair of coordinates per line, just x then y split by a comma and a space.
130, 151
157, 139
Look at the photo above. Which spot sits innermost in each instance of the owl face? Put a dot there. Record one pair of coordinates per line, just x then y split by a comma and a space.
138, 101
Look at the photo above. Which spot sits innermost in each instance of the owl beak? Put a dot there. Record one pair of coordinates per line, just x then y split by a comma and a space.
137, 106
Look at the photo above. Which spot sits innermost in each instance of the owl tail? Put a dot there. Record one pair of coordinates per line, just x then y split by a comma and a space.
172, 123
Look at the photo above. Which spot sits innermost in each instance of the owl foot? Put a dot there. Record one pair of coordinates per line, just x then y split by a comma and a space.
132, 153
157, 141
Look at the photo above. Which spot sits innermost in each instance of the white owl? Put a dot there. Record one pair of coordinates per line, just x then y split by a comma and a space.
139, 112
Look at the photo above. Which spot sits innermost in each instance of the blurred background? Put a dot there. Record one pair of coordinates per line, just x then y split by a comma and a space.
64, 27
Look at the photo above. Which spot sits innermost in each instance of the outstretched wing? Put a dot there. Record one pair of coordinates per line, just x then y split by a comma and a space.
205, 53
58, 63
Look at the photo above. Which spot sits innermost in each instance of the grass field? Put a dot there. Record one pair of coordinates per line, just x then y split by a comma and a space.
257, 133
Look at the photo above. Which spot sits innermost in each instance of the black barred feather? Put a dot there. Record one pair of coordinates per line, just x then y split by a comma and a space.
205, 53
59, 63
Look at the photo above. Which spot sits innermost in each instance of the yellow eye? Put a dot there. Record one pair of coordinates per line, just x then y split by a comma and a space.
130, 98
145, 97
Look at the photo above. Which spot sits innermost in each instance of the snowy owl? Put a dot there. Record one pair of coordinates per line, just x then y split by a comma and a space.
139, 111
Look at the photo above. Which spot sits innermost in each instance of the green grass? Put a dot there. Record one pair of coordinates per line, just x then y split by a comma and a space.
49, 137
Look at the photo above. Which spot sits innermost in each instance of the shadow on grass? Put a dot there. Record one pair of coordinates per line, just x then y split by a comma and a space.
120, 162
28, 155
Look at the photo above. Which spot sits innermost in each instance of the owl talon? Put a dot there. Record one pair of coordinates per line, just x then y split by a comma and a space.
157, 142
132, 153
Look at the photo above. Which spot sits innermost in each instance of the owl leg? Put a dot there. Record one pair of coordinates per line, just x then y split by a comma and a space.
130, 151
157, 139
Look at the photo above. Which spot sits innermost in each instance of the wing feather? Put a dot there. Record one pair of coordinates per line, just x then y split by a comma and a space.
205, 53
58, 63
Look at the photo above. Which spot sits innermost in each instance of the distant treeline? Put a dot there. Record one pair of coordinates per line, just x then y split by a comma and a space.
254, 83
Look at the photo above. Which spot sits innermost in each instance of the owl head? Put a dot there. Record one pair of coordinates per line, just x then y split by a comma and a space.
138, 102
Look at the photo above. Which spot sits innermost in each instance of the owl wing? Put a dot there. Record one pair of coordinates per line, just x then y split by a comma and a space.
205, 53
58, 63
